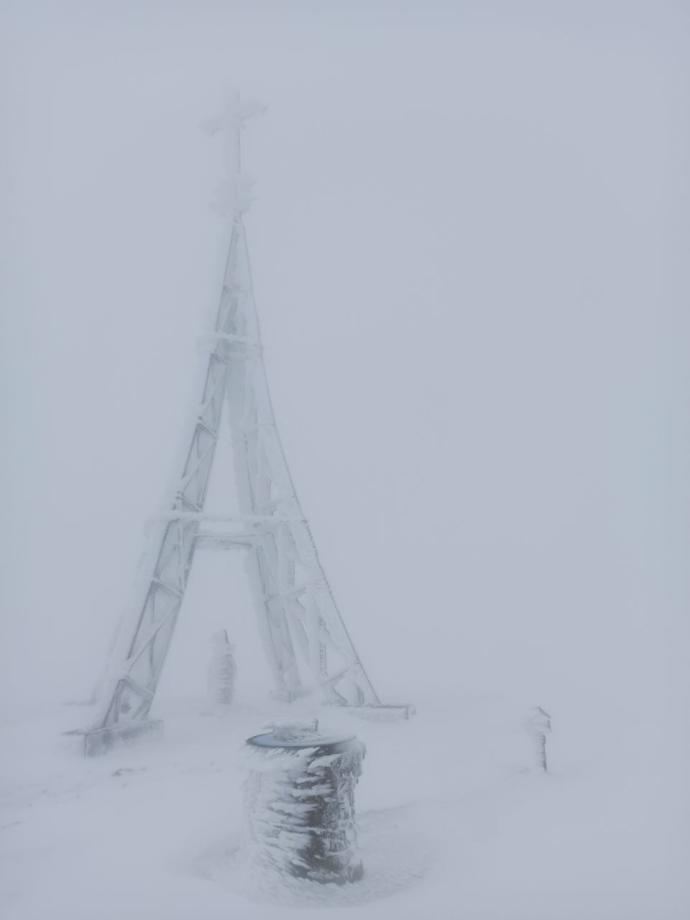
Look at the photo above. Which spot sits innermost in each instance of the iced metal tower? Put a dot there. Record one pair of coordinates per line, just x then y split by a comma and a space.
305, 638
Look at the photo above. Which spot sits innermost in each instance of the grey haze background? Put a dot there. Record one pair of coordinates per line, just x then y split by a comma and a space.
469, 246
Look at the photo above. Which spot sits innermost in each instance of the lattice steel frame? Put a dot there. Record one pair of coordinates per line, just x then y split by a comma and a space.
306, 640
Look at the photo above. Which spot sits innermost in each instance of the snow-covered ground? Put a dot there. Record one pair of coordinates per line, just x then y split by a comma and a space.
469, 245
453, 821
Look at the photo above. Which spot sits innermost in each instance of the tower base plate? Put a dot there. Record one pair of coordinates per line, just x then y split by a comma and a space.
101, 740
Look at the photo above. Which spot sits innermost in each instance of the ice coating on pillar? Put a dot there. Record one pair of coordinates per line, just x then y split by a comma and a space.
299, 804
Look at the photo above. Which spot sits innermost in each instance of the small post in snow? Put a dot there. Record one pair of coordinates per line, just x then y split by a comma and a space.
221, 669
538, 726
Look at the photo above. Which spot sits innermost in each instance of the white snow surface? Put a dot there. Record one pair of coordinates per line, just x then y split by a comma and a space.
469, 246
454, 821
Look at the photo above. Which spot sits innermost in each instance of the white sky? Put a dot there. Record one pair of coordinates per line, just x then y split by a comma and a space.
470, 255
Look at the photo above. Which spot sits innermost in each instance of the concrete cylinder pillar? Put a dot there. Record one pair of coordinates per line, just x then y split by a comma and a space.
300, 809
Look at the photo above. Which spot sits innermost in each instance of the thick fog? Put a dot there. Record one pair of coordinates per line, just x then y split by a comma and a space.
469, 247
